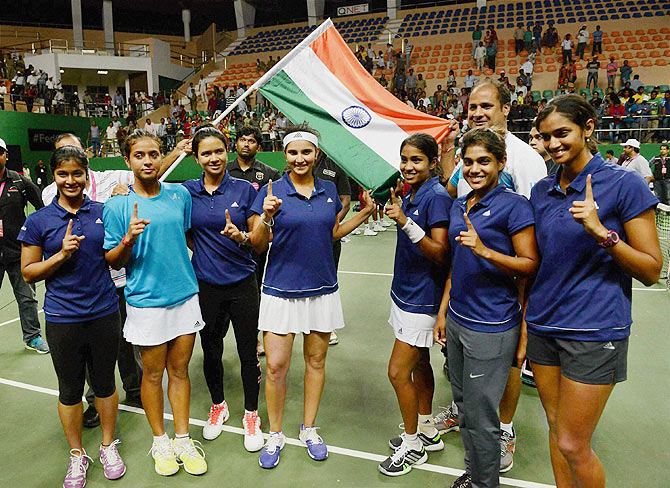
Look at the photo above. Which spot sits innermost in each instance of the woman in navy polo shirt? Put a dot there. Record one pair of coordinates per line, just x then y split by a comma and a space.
62, 244
420, 271
595, 230
300, 293
220, 216
493, 249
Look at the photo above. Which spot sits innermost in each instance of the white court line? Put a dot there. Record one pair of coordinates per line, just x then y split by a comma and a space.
295, 442
18, 318
391, 274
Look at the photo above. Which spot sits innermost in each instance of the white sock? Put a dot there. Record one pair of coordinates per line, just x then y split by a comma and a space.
413, 441
426, 425
182, 438
509, 428
454, 408
367, 226
161, 439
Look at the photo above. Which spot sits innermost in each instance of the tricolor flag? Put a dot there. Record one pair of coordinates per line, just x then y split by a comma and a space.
362, 124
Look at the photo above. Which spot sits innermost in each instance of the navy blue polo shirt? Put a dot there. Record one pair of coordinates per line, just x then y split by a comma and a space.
482, 297
580, 293
218, 259
300, 263
82, 288
418, 282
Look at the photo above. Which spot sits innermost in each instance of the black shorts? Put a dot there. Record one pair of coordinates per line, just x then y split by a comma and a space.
589, 362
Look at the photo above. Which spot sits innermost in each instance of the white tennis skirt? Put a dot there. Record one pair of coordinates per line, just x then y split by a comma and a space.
322, 313
415, 329
157, 325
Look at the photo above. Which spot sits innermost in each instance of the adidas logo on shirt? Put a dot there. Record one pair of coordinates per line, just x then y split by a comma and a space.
416, 212
234, 205
98, 221
176, 197
330, 200
609, 345
487, 213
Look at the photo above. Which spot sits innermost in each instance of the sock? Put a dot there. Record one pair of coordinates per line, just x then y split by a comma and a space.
412, 440
367, 226
182, 438
276, 433
248, 411
426, 425
509, 428
161, 439
454, 408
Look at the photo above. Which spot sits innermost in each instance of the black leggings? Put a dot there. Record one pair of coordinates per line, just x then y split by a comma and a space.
219, 305
76, 346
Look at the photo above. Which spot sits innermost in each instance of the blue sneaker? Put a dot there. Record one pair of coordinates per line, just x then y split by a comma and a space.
316, 448
269, 457
39, 345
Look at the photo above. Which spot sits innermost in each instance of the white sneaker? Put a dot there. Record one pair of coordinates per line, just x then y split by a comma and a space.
369, 232
218, 414
386, 223
333, 339
356, 232
346, 239
377, 227
253, 436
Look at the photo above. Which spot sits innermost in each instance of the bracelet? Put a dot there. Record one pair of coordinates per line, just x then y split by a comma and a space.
246, 237
449, 149
269, 224
127, 243
413, 231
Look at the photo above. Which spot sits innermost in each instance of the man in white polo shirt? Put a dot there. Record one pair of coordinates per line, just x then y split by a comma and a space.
634, 160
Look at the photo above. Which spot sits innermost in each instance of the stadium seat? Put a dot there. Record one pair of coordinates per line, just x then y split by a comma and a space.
646, 63
430, 76
441, 74
633, 63
641, 55
661, 62
431, 68
649, 45
442, 67
514, 71
551, 68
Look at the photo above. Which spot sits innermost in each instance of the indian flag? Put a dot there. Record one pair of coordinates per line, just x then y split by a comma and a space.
362, 124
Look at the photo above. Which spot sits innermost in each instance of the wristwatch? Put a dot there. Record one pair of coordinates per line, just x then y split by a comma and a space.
246, 237
612, 240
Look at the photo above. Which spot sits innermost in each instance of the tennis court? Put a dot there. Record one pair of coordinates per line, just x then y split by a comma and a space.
358, 413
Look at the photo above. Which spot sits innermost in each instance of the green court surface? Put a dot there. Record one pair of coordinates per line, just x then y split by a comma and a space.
358, 413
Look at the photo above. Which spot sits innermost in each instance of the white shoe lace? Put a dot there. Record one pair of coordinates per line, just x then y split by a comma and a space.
163, 450
252, 422
273, 443
443, 415
192, 449
111, 454
76, 467
309, 434
398, 457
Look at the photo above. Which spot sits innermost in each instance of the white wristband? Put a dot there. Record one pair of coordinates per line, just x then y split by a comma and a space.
413, 231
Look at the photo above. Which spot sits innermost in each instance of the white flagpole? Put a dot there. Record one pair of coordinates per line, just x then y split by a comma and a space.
304, 44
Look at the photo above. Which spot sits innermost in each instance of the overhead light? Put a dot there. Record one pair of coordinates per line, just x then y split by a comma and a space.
102, 72
88, 51
62, 71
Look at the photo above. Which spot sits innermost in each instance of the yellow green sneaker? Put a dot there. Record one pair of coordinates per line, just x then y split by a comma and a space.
164, 458
190, 455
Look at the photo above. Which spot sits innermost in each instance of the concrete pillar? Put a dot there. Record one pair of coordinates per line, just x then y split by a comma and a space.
77, 28
314, 11
245, 14
392, 7
186, 18
108, 26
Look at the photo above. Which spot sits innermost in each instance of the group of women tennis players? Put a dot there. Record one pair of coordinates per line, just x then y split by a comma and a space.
494, 276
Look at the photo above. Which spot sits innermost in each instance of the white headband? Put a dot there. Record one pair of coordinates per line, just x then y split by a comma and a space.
301, 136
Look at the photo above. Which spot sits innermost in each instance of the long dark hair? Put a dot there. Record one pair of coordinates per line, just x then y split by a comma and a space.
428, 146
67, 153
203, 132
576, 110
487, 138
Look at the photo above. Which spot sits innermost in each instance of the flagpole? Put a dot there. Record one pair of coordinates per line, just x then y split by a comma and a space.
259, 83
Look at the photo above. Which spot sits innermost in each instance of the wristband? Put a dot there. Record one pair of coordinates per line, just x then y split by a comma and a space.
127, 243
413, 231
269, 224
246, 237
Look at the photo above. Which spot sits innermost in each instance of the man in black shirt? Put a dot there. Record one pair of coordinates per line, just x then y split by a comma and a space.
41, 175
660, 168
15, 191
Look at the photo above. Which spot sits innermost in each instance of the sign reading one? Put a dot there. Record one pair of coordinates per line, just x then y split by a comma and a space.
362, 8
42, 139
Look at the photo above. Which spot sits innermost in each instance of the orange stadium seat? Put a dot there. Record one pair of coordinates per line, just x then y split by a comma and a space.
631, 39
539, 69
667, 37
639, 32
455, 59
457, 51
431, 68
437, 47
646, 63
607, 41
444, 60
641, 55
628, 55
512, 62
633, 63
550, 60
442, 67
476, 72
466, 66
488, 72
514, 71
425, 54
453, 66
663, 45
447, 46
627, 33
664, 30
649, 45
610, 49
441, 75
430, 76
622, 47
656, 37
615, 34
579, 66
423, 61
644, 38
468, 45
661, 62
458, 45
421, 69
652, 31
636, 47
417, 49
618, 40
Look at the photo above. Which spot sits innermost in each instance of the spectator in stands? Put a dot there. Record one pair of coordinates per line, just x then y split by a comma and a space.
625, 72
660, 168
537, 37
409, 47
424, 98
150, 127
3, 92
110, 131
664, 113
566, 47
520, 90
271, 62
464, 97
572, 73
380, 64
383, 81
94, 138
518, 38
193, 99
265, 126
390, 56
439, 94
634, 160
582, 39
551, 37
456, 109
528, 67
655, 109
29, 97
420, 83
476, 39
491, 53
491, 36
528, 37
451, 81
88, 104
470, 80
597, 42
41, 175
260, 67
74, 104
480, 56
400, 81
410, 82
202, 88
189, 90
640, 96
611, 68
593, 66
616, 111
636, 84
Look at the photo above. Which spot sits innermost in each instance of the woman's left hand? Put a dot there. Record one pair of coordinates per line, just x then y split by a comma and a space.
231, 231
471, 239
394, 210
585, 212
368, 202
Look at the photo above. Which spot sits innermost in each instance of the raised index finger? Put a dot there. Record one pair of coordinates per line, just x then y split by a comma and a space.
68, 231
589, 189
467, 222
394, 199
227, 217
134, 211
269, 188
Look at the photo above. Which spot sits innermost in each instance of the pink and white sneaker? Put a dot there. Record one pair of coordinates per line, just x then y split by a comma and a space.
112, 463
76, 472
218, 414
